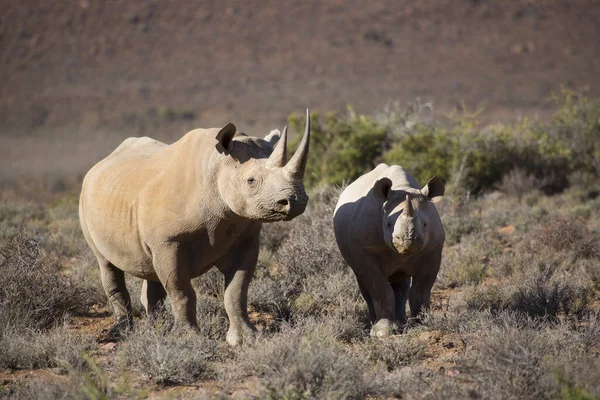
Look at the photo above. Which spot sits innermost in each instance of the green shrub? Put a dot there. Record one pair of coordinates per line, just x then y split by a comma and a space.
341, 149
470, 158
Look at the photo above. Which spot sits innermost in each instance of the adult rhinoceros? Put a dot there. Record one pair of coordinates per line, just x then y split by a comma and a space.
390, 233
169, 213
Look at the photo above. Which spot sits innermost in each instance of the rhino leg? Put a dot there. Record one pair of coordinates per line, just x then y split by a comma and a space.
171, 265
375, 284
365, 294
113, 281
420, 291
238, 269
153, 297
401, 288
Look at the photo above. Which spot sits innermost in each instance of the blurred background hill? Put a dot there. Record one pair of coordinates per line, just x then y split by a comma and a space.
79, 76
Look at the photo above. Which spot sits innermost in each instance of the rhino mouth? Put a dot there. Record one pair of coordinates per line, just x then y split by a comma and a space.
287, 213
403, 250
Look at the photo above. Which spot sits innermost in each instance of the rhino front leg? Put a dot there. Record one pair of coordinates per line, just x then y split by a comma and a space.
152, 297
374, 283
171, 265
238, 269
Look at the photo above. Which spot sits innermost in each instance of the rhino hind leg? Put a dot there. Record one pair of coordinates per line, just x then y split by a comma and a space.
113, 281
419, 296
153, 297
365, 294
401, 289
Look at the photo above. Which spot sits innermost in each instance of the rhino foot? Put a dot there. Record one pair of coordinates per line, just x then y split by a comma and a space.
245, 334
119, 330
383, 328
411, 323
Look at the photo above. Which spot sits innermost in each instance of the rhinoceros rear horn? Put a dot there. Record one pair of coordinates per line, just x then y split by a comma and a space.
225, 135
297, 164
278, 157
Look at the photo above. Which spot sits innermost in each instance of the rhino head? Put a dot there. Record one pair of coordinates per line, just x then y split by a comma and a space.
406, 213
257, 181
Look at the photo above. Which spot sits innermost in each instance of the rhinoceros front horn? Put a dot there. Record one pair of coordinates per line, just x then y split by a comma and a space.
297, 164
278, 157
409, 211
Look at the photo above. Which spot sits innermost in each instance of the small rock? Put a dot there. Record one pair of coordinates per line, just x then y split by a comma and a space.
506, 230
430, 336
108, 346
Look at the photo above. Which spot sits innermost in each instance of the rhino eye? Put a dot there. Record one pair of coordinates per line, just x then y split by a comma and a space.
251, 181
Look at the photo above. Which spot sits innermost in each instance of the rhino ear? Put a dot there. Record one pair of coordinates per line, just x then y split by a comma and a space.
273, 136
383, 188
225, 136
434, 189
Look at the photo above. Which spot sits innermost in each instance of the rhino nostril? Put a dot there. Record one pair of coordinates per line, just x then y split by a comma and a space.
283, 202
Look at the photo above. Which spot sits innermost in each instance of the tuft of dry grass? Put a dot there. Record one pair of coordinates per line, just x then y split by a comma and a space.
167, 357
36, 349
307, 361
35, 294
564, 234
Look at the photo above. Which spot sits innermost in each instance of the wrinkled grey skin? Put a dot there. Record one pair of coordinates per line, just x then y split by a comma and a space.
389, 231
169, 213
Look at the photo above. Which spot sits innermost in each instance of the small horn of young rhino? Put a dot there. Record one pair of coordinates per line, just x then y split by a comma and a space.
297, 164
278, 157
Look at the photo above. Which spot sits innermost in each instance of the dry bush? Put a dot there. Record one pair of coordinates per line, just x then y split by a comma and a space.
210, 283
516, 358
269, 294
16, 217
396, 351
458, 226
541, 297
88, 382
212, 318
467, 262
39, 389
34, 293
307, 361
322, 293
310, 248
536, 297
164, 356
35, 349
273, 235
564, 234
518, 183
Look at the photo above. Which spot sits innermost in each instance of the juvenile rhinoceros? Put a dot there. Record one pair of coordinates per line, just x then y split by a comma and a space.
169, 213
389, 231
